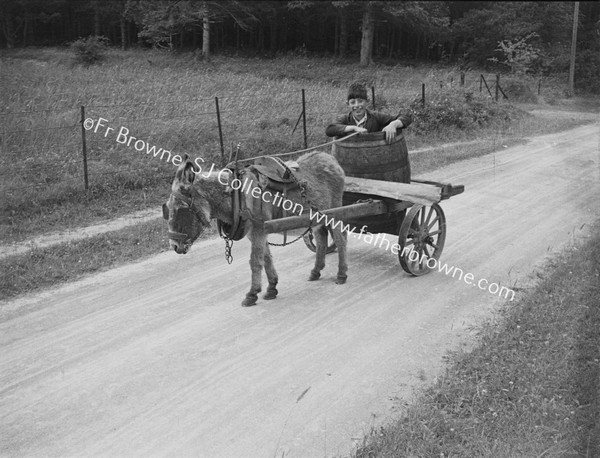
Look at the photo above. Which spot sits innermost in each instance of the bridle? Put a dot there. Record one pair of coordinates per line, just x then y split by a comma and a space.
187, 204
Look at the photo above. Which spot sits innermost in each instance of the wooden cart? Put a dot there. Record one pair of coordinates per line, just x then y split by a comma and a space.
410, 209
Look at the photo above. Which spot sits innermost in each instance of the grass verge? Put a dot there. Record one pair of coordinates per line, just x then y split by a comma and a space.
530, 387
42, 268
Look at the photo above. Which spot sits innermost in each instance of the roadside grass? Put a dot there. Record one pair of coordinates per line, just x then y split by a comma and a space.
41, 268
531, 385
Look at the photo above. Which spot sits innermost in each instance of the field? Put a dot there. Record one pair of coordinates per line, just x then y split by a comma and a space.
168, 101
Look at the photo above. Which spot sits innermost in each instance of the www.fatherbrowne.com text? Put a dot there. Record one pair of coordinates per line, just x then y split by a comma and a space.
124, 137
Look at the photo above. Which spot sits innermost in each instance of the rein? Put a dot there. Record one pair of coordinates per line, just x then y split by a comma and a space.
306, 150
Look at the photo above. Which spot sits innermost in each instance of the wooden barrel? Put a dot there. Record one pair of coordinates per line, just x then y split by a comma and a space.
370, 156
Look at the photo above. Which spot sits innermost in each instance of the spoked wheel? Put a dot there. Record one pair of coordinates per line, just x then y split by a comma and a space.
309, 240
422, 236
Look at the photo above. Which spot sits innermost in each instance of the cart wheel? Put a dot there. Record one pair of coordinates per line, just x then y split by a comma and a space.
309, 240
422, 233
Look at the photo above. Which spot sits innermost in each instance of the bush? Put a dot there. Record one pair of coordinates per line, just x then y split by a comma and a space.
587, 69
518, 91
90, 50
458, 111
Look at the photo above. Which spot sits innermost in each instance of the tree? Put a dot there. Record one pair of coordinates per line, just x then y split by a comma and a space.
480, 30
428, 20
162, 20
519, 55
368, 30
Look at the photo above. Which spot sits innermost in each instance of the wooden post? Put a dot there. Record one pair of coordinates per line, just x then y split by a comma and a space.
573, 49
84, 148
462, 79
480, 83
497, 84
373, 97
304, 117
220, 131
423, 94
486, 86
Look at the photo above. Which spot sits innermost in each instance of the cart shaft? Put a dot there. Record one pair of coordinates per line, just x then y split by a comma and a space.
333, 215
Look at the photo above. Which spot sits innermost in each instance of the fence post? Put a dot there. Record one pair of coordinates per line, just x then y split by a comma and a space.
423, 94
486, 86
373, 96
480, 83
220, 131
84, 148
304, 118
462, 79
540, 87
497, 84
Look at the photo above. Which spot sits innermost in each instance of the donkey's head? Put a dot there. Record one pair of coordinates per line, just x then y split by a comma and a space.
187, 211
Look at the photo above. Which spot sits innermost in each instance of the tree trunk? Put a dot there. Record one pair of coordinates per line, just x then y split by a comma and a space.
205, 33
283, 39
8, 29
25, 26
96, 19
273, 38
261, 39
391, 41
343, 44
418, 46
366, 44
336, 36
123, 33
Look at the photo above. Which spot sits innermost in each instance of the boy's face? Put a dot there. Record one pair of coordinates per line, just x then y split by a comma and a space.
358, 107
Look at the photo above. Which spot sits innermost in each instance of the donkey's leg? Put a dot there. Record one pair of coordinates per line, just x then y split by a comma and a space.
320, 234
257, 261
341, 240
271, 275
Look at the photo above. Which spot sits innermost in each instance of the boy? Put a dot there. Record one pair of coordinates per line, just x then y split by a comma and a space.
362, 120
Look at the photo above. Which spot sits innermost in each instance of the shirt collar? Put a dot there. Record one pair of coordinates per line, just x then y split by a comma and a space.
360, 122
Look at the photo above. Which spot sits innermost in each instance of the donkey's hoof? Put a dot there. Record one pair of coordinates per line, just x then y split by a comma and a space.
270, 294
249, 301
341, 280
314, 276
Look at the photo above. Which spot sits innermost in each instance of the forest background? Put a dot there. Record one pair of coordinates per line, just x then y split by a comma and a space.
519, 37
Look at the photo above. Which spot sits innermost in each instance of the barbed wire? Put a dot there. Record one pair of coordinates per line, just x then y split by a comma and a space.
287, 124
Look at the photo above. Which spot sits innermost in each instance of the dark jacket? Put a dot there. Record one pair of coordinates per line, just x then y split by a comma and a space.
375, 122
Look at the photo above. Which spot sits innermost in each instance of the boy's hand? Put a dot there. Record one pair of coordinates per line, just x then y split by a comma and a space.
390, 130
390, 133
355, 129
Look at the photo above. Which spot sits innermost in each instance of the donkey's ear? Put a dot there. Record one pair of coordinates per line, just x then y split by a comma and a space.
186, 173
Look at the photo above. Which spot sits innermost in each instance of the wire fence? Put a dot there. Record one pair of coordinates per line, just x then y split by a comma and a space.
55, 147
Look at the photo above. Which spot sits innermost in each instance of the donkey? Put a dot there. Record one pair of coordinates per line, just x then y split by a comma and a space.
196, 198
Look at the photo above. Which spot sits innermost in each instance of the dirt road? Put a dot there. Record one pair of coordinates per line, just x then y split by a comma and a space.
159, 359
